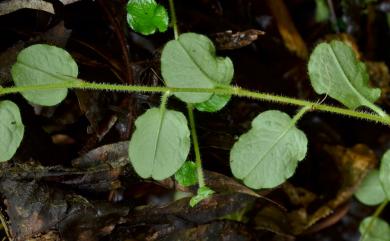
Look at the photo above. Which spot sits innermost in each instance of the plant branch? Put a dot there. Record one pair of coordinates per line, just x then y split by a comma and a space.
236, 91
173, 17
198, 159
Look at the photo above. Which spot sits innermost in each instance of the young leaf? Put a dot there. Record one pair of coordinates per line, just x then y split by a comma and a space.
370, 191
269, 152
215, 103
160, 143
42, 64
146, 16
11, 129
334, 70
374, 229
384, 173
203, 193
190, 62
187, 175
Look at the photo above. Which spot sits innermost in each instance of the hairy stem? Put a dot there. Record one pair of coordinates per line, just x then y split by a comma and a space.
236, 91
164, 100
195, 142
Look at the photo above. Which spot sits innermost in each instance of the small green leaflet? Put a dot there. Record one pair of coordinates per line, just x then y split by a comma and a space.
334, 70
187, 175
11, 129
190, 62
370, 191
203, 193
374, 229
384, 173
269, 152
146, 16
160, 143
42, 64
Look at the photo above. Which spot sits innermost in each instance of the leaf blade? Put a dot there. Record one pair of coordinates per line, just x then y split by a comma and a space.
370, 191
384, 173
160, 143
374, 229
334, 70
253, 157
42, 64
190, 62
11, 129
146, 16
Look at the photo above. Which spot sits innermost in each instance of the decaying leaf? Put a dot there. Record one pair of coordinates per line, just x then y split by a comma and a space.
291, 37
353, 164
34, 207
10, 6
230, 40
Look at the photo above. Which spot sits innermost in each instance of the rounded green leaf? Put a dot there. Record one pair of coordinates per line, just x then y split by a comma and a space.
11, 129
374, 229
384, 173
190, 62
370, 191
269, 152
160, 143
187, 174
43, 64
146, 16
334, 70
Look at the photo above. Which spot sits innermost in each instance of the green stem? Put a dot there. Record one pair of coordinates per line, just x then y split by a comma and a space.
173, 17
198, 160
164, 100
299, 114
236, 91
376, 214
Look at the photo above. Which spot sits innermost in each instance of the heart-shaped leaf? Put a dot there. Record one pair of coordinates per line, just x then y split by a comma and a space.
370, 191
160, 143
43, 64
190, 62
269, 152
11, 129
334, 70
374, 229
146, 16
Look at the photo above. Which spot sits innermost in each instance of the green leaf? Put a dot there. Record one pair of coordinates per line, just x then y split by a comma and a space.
190, 62
146, 16
374, 229
370, 191
160, 143
187, 175
203, 193
322, 11
334, 70
11, 129
43, 64
384, 173
215, 103
269, 152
